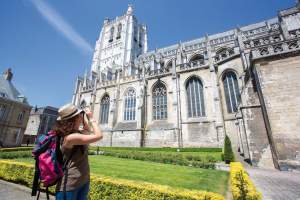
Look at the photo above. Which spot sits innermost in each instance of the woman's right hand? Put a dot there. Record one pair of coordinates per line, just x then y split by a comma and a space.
88, 113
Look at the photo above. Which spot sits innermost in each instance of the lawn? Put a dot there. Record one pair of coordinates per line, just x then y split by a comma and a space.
164, 174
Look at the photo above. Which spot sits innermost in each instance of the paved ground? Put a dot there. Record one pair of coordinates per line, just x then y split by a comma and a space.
276, 185
11, 191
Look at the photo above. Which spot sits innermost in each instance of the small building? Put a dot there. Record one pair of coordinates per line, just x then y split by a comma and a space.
41, 120
14, 112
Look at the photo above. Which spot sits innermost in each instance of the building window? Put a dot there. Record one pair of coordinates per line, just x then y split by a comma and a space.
111, 36
135, 34
159, 102
140, 38
231, 90
104, 109
82, 104
2, 94
119, 31
2, 112
130, 105
195, 98
21, 116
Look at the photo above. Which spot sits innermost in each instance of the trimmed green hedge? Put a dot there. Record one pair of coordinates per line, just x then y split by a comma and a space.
194, 160
15, 154
228, 153
165, 149
16, 149
242, 186
109, 188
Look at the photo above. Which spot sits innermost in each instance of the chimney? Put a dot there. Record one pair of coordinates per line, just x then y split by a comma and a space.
8, 74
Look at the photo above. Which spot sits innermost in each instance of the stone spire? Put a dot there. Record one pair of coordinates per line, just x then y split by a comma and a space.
129, 9
8, 74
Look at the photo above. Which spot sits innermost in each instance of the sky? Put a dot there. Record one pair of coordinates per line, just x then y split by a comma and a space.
48, 43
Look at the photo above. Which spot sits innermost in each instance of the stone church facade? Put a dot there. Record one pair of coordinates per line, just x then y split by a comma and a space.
244, 82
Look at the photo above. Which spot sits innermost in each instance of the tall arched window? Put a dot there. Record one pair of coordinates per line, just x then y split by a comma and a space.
130, 105
104, 109
83, 104
231, 90
159, 102
195, 97
119, 31
111, 36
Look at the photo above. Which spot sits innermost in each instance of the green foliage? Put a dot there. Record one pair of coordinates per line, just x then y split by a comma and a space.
15, 154
164, 149
228, 153
200, 159
241, 185
16, 149
175, 176
110, 188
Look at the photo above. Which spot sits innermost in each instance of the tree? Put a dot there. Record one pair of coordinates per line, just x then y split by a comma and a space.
228, 153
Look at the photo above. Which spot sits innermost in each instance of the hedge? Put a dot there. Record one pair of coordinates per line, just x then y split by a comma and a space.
165, 149
15, 154
228, 153
110, 188
241, 185
194, 160
16, 149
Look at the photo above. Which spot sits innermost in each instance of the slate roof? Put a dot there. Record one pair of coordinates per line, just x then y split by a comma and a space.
10, 91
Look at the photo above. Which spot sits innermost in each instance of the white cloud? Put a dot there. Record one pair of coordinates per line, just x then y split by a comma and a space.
61, 25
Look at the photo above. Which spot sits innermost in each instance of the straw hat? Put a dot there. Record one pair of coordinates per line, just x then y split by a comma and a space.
68, 111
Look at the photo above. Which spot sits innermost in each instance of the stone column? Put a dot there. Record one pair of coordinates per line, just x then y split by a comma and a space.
176, 104
217, 109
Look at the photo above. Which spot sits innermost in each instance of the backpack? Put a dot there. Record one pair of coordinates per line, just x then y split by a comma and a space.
48, 162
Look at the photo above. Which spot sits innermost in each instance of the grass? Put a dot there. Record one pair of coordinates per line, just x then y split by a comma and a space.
164, 174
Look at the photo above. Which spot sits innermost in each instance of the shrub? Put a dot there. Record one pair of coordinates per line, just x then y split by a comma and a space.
110, 188
15, 154
207, 161
241, 185
164, 149
228, 153
16, 149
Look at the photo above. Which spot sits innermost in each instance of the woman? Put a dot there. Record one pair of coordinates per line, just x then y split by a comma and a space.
74, 185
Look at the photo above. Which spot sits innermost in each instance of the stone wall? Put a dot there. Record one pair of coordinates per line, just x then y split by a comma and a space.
280, 84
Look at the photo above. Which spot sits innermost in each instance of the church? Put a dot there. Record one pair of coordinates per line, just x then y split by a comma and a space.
244, 83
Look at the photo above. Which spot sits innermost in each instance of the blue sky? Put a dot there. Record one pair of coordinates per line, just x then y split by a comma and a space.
49, 43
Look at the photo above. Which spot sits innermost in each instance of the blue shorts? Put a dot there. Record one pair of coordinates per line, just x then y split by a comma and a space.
80, 193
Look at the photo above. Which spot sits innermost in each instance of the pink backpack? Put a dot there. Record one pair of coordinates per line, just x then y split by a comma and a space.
48, 162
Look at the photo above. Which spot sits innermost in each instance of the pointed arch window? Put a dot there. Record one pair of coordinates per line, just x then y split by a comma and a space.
83, 104
111, 36
231, 91
195, 98
104, 109
119, 31
159, 102
130, 105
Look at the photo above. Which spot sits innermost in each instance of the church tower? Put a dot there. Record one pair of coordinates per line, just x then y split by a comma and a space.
121, 40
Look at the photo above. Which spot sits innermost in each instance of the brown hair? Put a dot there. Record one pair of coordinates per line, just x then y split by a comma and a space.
65, 127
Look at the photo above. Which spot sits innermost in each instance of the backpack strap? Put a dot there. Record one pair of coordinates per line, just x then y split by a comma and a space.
35, 183
47, 193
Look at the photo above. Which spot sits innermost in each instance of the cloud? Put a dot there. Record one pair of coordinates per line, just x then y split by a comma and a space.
61, 25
